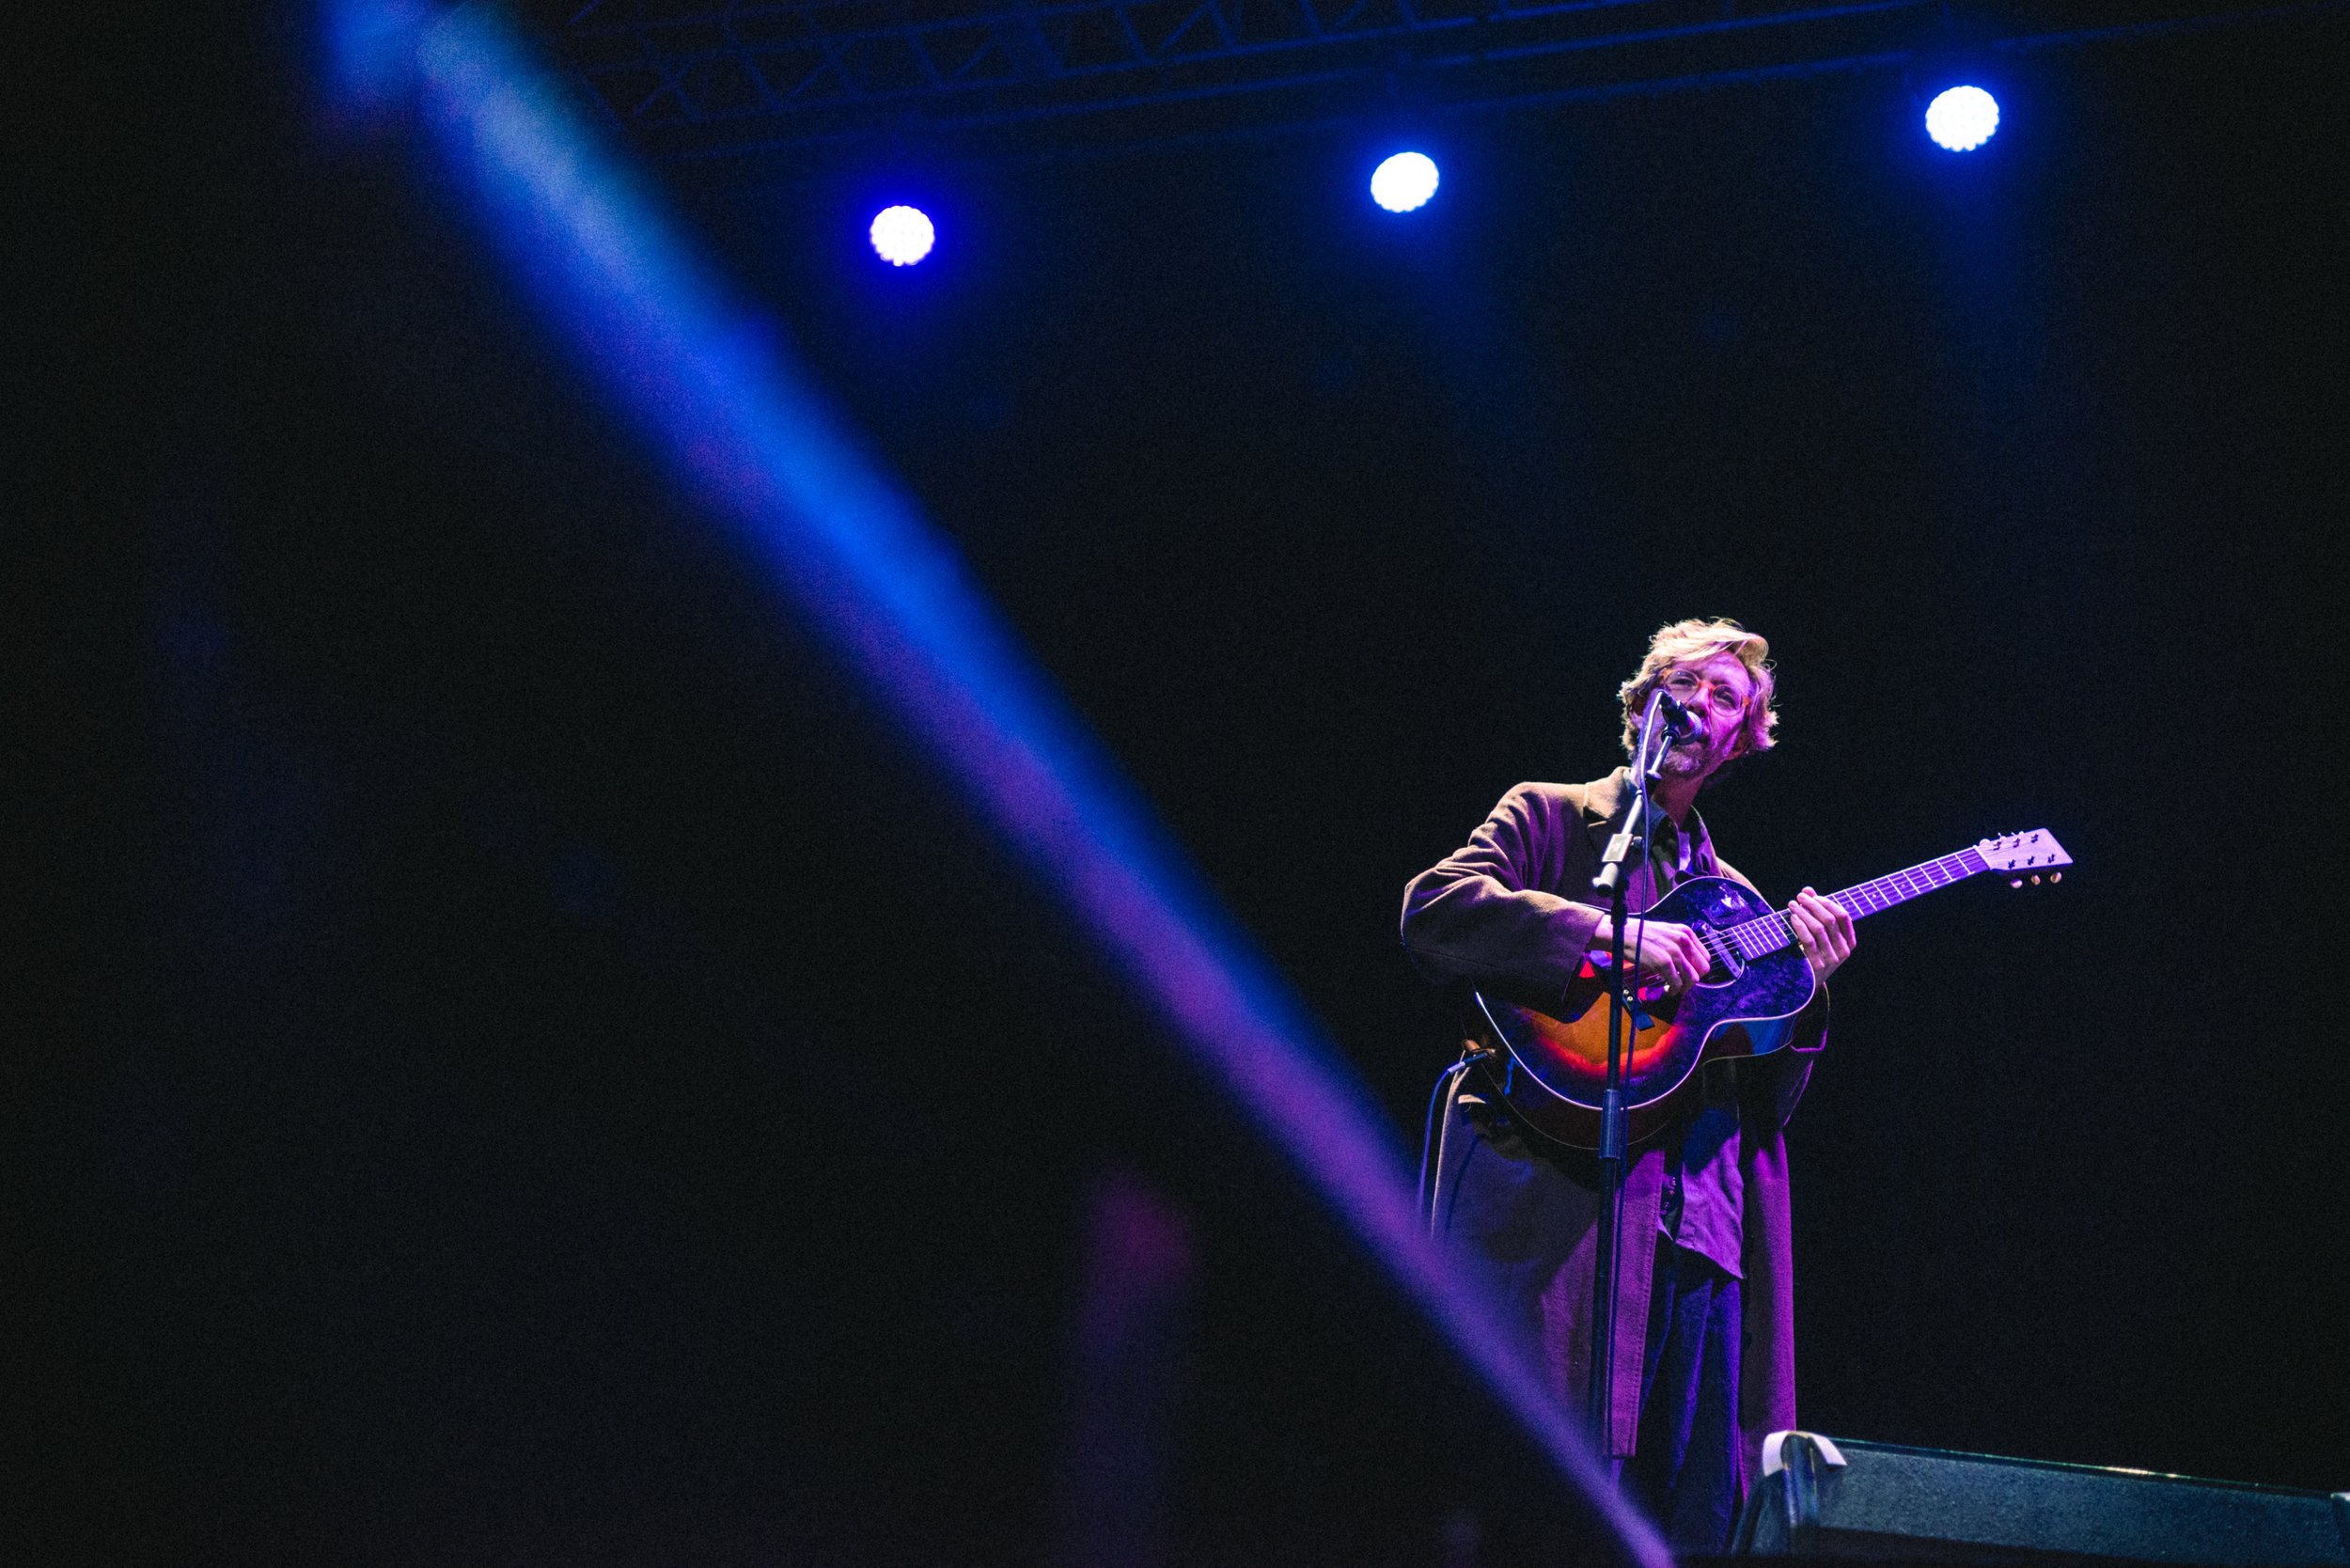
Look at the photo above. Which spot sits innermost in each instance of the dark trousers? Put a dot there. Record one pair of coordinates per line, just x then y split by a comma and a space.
1685, 1468
1515, 1213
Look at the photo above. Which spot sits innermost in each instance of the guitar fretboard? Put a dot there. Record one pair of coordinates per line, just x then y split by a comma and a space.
1769, 934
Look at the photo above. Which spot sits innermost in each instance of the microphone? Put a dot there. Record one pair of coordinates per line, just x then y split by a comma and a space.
1680, 723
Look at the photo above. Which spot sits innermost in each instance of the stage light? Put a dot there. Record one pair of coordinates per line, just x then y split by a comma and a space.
1962, 118
1403, 181
902, 235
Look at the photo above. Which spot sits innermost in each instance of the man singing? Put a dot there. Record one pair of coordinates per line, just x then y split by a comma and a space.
1704, 1331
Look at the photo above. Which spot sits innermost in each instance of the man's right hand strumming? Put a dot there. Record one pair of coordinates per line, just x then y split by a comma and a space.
1670, 955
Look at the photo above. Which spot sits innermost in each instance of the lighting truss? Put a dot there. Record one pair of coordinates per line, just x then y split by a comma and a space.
701, 77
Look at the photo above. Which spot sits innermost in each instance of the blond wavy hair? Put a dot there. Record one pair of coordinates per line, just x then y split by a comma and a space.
1693, 642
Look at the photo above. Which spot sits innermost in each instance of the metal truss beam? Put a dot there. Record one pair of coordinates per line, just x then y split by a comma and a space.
697, 78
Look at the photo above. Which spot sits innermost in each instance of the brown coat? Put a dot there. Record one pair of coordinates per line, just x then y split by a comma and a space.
1515, 907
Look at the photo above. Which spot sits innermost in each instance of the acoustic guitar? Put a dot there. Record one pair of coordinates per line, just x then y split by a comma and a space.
1550, 1065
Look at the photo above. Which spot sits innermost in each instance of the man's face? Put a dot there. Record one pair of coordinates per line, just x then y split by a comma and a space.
1716, 693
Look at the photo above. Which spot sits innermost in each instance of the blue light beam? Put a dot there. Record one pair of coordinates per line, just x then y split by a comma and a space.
748, 434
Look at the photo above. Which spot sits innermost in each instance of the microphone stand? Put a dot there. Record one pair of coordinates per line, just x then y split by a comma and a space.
1646, 761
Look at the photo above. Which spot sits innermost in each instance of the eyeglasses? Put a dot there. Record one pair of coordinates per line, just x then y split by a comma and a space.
1727, 701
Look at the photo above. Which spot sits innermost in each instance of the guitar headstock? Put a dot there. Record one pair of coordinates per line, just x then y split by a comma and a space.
2035, 853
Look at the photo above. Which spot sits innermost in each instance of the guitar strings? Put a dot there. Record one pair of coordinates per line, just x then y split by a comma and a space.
1866, 899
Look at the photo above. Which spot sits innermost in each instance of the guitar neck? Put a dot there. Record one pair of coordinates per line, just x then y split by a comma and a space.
1768, 933
1904, 885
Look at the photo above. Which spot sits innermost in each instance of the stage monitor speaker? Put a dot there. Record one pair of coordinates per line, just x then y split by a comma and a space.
1826, 1498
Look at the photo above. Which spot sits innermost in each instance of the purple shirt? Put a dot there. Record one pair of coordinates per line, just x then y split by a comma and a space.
1704, 1206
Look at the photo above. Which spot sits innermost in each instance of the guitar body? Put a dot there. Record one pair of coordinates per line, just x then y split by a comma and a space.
1551, 1069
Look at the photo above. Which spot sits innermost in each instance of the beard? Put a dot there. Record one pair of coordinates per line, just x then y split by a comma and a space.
1685, 758
1693, 758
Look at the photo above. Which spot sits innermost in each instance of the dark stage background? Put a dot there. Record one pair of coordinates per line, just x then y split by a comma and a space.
508, 1062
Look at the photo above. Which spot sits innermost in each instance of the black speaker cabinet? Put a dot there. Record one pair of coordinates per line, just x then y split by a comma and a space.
1827, 1498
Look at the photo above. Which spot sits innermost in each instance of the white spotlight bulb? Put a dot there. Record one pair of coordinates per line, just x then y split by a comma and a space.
1403, 181
902, 235
1962, 118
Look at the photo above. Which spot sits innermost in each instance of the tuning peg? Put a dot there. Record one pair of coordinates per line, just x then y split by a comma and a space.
2056, 876
2035, 880
2016, 881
